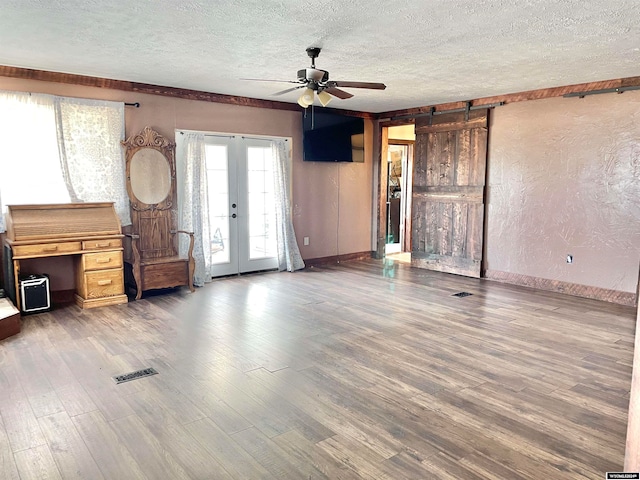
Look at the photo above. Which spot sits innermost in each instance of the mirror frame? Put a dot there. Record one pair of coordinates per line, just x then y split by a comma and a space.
150, 139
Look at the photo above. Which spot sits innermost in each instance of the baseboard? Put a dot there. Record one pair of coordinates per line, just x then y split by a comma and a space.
334, 259
596, 293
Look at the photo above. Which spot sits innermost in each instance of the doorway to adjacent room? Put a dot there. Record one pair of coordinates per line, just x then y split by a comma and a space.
399, 166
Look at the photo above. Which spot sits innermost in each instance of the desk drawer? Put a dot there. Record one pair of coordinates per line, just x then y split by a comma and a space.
102, 283
102, 260
45, 249
102, 244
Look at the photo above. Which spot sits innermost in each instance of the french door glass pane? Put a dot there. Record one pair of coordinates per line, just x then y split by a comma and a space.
217, 161
262, 241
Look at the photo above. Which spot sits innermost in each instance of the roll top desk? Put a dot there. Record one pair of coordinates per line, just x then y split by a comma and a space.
90, 232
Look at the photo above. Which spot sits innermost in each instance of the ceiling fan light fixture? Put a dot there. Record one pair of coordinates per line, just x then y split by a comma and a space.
324, 98
306, 98
316, 81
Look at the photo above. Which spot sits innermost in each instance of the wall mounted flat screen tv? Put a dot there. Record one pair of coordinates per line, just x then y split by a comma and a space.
332, 137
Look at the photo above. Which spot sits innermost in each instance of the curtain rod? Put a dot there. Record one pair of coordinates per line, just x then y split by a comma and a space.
220, 135
182, 132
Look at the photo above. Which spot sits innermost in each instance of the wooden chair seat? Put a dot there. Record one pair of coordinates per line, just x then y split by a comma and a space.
157, 261
161, 272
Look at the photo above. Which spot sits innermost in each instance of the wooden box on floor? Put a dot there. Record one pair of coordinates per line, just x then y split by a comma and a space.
9, 319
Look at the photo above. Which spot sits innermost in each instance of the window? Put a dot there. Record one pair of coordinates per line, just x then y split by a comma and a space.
59, 150
30, 164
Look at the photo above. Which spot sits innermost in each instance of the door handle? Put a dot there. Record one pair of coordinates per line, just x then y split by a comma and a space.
233, 215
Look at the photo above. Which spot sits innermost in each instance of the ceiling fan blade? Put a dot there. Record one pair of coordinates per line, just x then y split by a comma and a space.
263, 80
371, 85
288, 90
336, 92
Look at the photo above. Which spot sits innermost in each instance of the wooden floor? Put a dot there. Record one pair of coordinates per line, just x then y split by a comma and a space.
363, 370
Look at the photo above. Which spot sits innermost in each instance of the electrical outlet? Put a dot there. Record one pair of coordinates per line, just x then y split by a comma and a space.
306, 240
569, 258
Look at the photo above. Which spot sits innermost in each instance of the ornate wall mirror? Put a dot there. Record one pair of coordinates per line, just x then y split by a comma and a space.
150, 170
150, 176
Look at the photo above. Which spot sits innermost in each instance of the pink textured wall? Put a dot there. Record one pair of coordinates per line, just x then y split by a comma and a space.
338, 205
564, 178
332, 202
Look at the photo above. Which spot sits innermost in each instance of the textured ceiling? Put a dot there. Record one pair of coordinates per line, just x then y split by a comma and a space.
427, 52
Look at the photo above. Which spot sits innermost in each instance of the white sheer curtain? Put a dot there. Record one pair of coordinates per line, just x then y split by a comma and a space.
91, 156
29, 161
289, 257
194, 206
59, 150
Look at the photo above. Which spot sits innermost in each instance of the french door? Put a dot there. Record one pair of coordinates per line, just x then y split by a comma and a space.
241, 205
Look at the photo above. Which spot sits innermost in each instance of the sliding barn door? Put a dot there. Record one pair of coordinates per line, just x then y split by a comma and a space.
448, 192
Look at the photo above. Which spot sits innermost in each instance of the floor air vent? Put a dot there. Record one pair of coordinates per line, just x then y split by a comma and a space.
127, 377
462, 294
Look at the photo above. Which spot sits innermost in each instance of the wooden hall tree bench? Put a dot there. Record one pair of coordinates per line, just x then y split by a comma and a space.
151, 184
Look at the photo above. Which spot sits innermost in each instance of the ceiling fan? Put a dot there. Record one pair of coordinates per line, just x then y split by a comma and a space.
316, 82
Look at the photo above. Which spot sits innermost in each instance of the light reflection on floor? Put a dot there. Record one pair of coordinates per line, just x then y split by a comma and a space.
402, 257
392, 262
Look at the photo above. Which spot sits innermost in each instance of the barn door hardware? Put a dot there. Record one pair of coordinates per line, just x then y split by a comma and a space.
605, 90
432, 111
